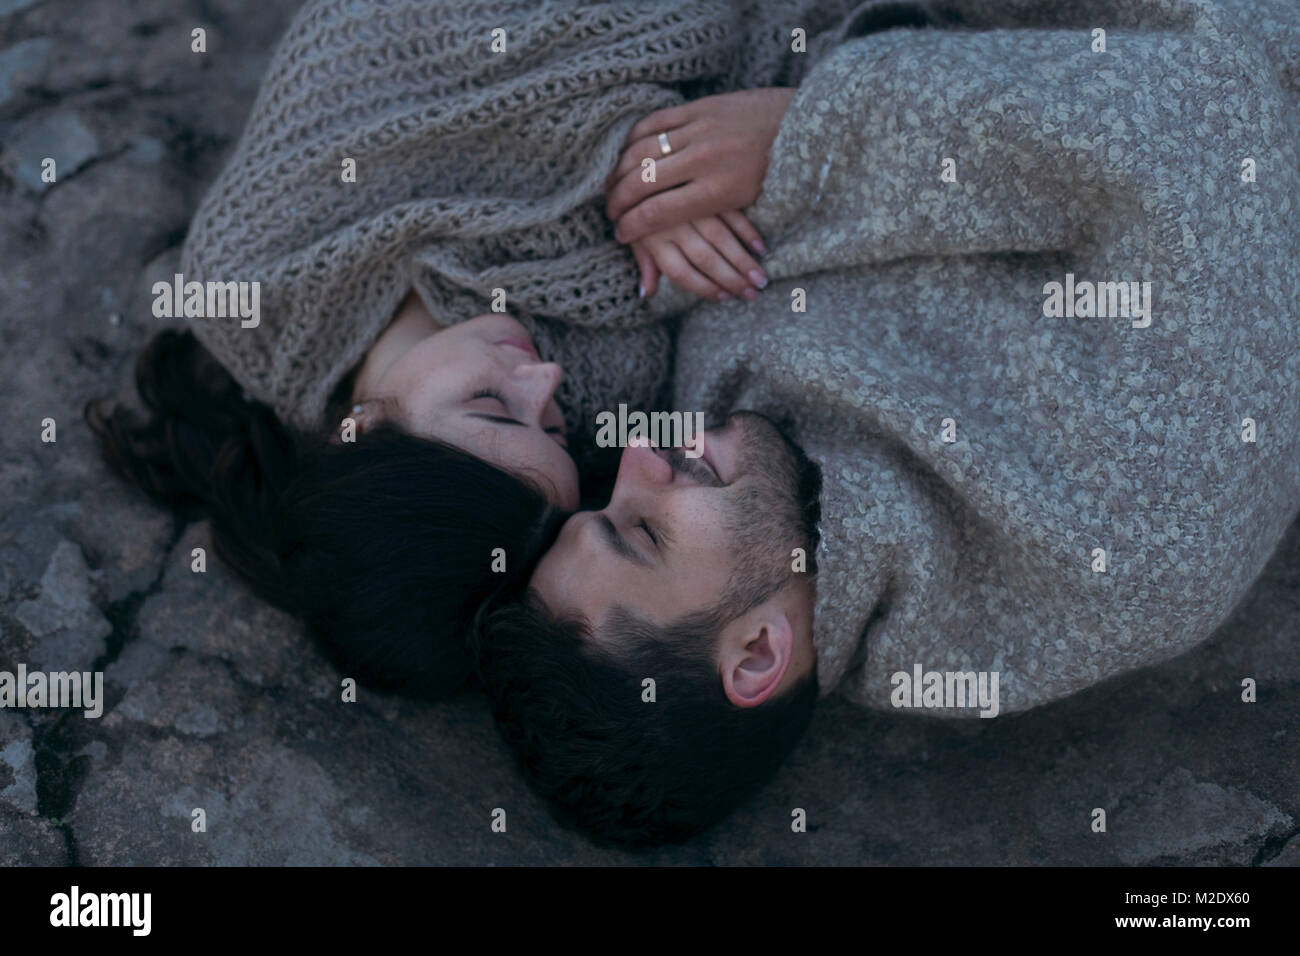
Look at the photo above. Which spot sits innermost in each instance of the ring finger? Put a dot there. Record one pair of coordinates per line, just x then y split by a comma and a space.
628, 191
648, 147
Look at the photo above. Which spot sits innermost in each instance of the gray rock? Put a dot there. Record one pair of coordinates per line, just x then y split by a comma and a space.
20, 63
1181, 819
125, 538
70, 630
214, 614
26, 838
62, 137
9, 7
30, 841
1289, 855
146, 150
17, 764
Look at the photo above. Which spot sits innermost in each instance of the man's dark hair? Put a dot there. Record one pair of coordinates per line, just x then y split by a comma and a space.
619, 769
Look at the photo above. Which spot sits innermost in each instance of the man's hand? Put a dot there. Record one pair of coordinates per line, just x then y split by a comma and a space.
706, 256
720, 147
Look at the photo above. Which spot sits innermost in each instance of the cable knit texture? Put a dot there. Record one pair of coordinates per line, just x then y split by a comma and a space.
475, 171
925, 302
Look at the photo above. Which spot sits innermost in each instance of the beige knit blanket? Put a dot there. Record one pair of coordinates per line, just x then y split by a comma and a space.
481, 132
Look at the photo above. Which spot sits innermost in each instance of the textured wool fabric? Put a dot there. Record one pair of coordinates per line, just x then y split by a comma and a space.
925, 302
475, 170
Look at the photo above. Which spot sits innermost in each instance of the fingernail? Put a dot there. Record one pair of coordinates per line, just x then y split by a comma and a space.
757, 246
750, 294
640, 291
758, 278
724, 296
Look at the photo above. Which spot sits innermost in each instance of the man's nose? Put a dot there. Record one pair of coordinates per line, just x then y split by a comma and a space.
534, 386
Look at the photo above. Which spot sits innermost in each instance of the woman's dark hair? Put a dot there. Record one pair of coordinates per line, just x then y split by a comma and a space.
385, 546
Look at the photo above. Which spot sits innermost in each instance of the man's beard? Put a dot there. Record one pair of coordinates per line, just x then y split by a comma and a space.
776, 514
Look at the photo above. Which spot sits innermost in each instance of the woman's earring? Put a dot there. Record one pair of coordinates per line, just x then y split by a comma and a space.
350, 426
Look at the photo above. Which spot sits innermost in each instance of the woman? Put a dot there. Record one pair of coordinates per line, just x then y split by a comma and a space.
382, 544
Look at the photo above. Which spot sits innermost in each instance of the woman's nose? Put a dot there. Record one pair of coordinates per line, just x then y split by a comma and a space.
535, 384
640, 465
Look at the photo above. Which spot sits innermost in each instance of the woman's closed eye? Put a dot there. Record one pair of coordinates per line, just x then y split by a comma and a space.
494, 396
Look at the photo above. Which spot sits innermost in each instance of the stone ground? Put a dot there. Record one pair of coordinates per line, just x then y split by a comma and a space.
215, 700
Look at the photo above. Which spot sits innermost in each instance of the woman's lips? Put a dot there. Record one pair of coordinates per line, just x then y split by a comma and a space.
523, 344
720, 451
705, 457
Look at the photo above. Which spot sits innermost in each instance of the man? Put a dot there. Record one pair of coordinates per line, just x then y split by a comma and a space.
667, 637
1054, 394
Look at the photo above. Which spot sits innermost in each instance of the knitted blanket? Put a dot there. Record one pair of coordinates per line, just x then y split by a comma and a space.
481, 133
1022, 476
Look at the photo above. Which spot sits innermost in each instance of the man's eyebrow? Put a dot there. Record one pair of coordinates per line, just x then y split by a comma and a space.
619, 543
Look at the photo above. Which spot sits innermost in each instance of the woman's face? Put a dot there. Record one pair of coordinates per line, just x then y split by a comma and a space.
480, 385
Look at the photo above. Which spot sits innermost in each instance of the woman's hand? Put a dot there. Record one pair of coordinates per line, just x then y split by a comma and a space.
720, 147
706, 256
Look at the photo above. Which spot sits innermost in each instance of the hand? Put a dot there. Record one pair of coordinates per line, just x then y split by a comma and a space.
720, 147
706, 256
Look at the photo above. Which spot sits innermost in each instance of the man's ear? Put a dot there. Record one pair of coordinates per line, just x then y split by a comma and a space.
756, 650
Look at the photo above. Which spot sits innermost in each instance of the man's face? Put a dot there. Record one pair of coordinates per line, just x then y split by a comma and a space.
679, 533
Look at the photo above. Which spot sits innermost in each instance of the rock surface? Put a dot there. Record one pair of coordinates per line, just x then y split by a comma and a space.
216, 701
